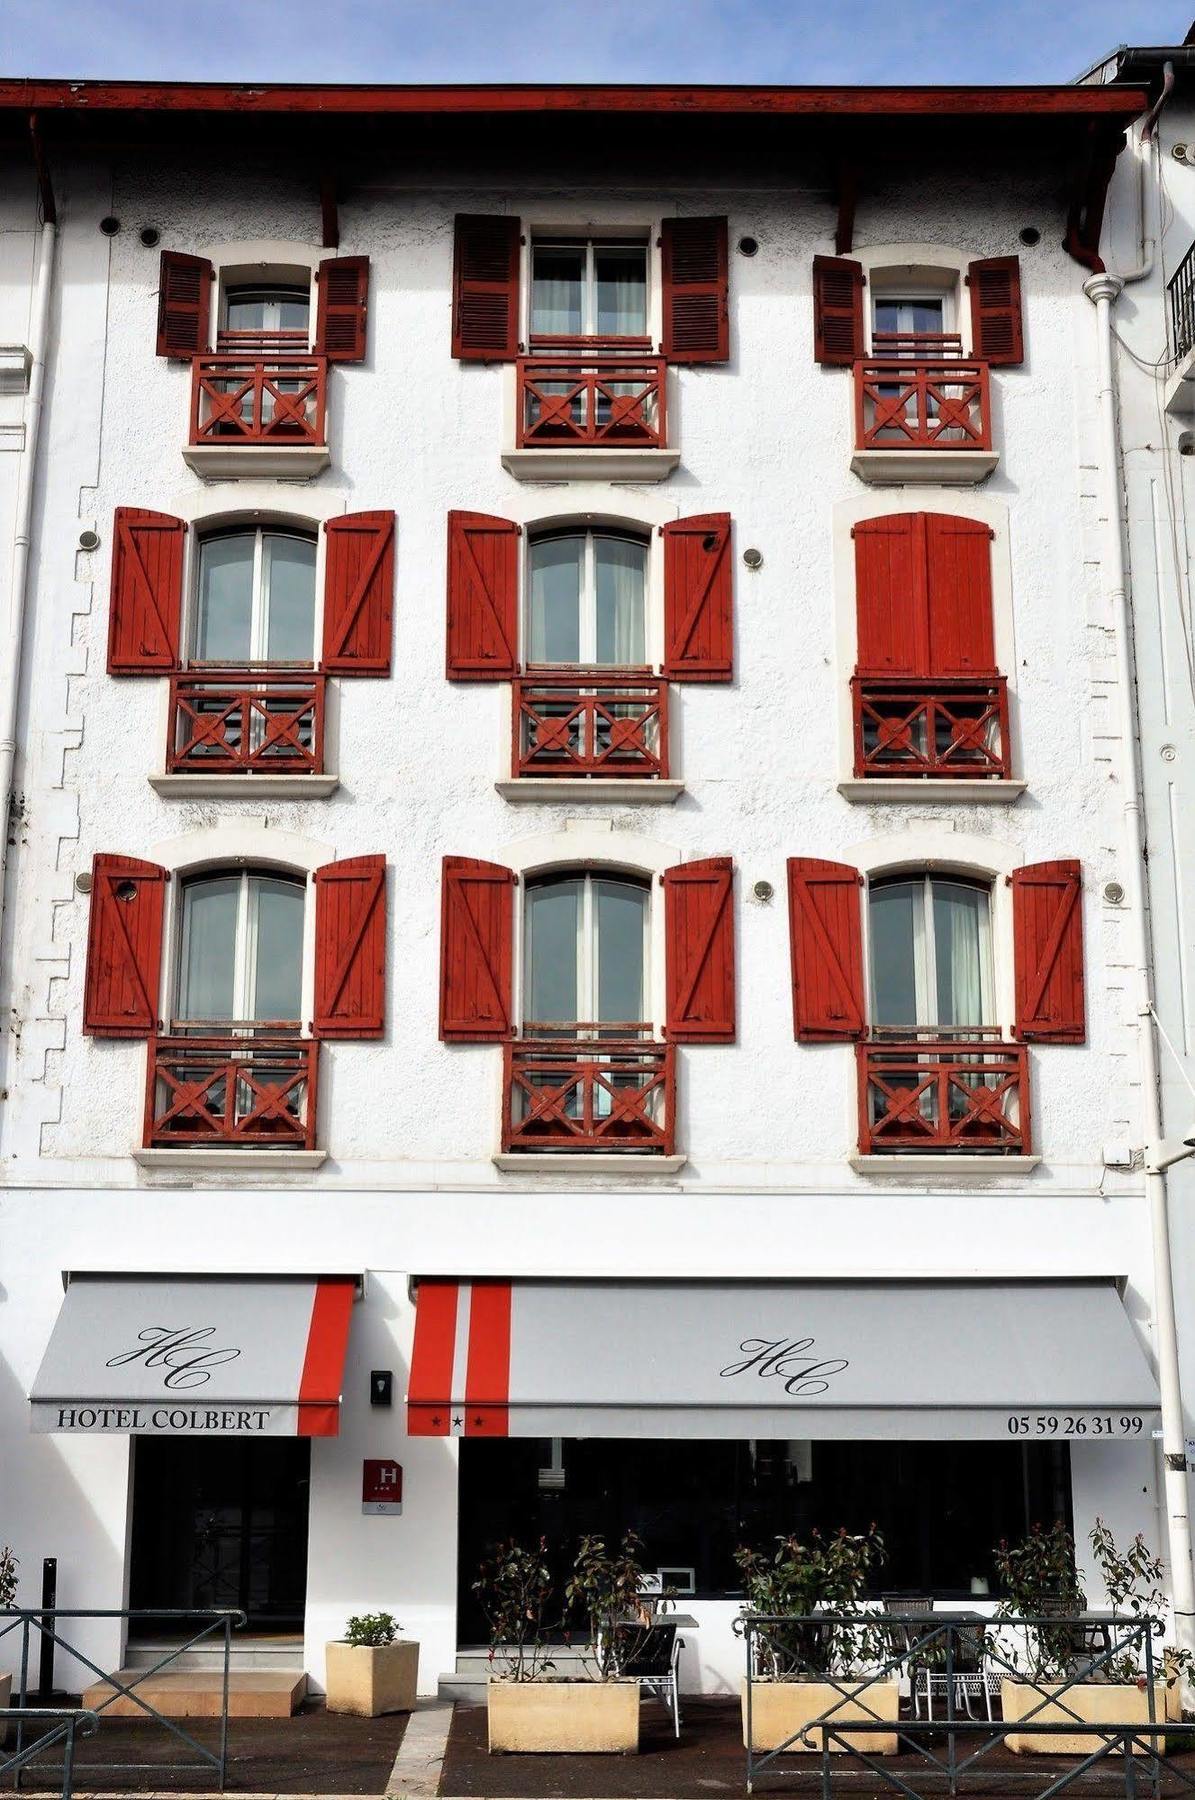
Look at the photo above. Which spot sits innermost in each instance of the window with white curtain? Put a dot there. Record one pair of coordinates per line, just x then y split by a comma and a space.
588, 287
930, 940
585, 951
240, 949
255, 599
587, 600
267, 308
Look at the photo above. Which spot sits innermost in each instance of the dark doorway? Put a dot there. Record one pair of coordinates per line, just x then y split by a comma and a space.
222, 1522
942, 1507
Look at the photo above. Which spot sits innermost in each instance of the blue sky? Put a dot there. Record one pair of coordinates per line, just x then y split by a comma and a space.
812, 41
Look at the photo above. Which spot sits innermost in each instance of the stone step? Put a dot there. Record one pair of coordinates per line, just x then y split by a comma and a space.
197, 1693
245, 1653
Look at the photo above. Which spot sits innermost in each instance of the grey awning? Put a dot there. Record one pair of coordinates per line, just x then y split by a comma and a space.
1031, 1360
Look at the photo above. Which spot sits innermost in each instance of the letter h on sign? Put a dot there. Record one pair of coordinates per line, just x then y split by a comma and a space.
381, 1485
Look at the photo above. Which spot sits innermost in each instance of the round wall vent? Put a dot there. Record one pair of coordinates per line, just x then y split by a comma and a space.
748, 246
150, 236
89, 540
763, 890
109, 226
83, 882
753, 558
1113, 893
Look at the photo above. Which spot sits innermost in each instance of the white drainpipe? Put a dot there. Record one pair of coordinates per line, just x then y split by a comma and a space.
1104, 291
14, 631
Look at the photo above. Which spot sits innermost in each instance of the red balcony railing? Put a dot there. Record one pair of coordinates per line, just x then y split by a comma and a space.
577, 724
920, 399
937, 729
936, 1092
572, 400
249, 1092
256, 399
244, 724
589, 1087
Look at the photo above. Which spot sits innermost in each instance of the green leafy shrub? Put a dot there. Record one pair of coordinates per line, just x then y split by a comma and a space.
514, 1589
797, 1579
370, 1631
8, 1576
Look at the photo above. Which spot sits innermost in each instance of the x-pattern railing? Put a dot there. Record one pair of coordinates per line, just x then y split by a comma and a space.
211, 1625
258, 399
924, 403
574, 400
589, 1087
880, 1647
968, 1092
50, 1726
247, 1091
236, 723
938, 729
576, 725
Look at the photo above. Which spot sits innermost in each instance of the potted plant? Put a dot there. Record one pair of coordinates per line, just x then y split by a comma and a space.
531, 1708
1042, 1580
8, 1595
801, 1665
371, 1670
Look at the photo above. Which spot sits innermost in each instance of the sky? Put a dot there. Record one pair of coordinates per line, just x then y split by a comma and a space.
765, 41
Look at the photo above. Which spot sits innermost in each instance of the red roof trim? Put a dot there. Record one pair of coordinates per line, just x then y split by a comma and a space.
1123, 103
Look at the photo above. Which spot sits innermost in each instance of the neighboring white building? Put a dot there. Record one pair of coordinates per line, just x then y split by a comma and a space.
735, 447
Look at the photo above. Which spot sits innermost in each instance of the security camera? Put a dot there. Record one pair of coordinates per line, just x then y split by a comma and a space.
1168, 1151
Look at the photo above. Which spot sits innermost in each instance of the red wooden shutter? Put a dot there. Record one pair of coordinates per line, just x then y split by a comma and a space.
485, 288
483, 597
342, 302
997, 333
699, 951
1047, 936
959, 586
694, 266
837, 310
698, 599
124, 948
350, 948
890, 595
476, 950
826, 932
145, 604
184, 304
359, 594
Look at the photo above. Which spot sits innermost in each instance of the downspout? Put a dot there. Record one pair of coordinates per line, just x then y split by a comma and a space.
1148, 245
1104, 290
14, 630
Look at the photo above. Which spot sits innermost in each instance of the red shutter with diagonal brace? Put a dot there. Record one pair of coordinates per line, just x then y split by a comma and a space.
124, 947
958, 555
350, 948
483, 597
695, 276
837, 310
698, 599
890, 595
1047, 935
997, 332
826, 932
342, 304
145, 604
485, 288
476, 951
699, 951
358, 594
184, 304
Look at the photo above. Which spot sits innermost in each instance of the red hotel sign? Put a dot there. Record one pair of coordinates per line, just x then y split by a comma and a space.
381, 1485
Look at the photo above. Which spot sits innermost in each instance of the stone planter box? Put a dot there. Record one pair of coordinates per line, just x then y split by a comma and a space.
779, 1709
371, 1679
564, 1717
1103, 1702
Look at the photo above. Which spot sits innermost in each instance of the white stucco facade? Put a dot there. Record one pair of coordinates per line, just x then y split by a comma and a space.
410, 1125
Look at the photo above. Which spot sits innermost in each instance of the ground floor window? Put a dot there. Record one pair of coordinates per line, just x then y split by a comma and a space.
222, 1522
941, 1507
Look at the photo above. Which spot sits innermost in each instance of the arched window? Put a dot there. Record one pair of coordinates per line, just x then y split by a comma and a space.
255, 598
587, 600
240, 950
585, 951
930, 940
269, 307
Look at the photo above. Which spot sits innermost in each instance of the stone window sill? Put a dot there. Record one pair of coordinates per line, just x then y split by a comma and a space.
590, 465
944, 468
250, 462
545, 788
244, 787
547, 1162
958, 793
965, 1171
261, 1162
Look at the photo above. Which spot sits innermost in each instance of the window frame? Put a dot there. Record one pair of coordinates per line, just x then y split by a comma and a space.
589, 530
211, 532
233, 274
587, 943
279, 290
244, 977
932, 276
925, 970
592, 240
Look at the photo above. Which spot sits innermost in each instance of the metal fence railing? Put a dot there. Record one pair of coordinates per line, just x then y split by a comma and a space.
202, 1627
1180, 292
38, 1729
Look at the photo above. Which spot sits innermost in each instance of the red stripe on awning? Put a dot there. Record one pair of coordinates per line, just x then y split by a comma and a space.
429, 1391
487, 1375
323, 1365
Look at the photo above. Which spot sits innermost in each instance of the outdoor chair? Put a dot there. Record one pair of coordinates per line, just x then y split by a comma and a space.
652, 1659
973, 1682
